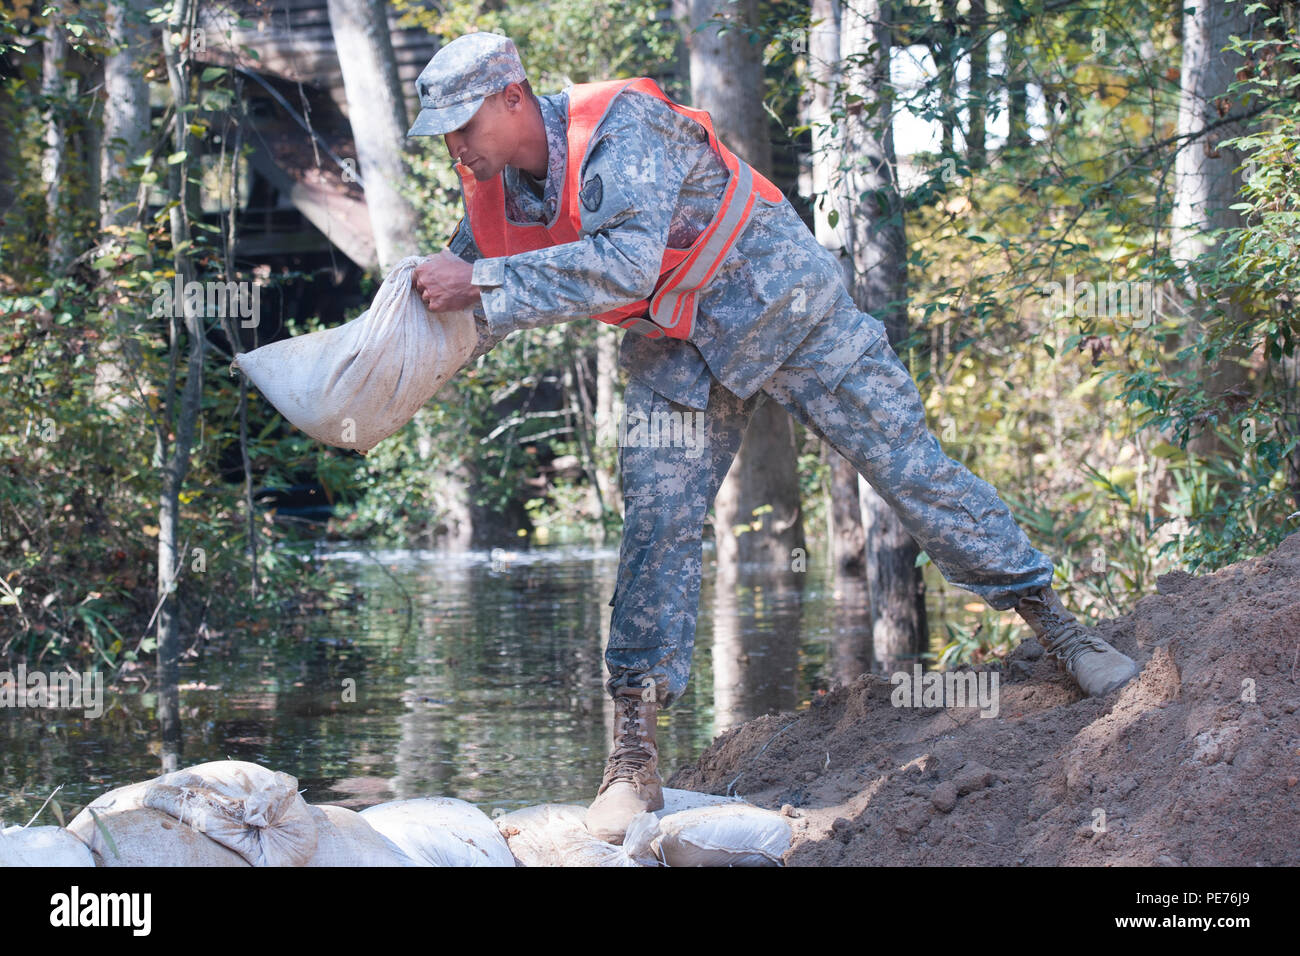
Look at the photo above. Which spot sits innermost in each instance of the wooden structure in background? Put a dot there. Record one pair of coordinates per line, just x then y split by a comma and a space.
296, 58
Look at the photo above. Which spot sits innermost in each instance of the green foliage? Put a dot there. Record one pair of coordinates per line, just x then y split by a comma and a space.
562, 41
1115, 449
991, 638
91, 386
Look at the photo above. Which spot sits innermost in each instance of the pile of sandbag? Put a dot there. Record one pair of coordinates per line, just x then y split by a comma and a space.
235, 813
355, 384
692, 829
226, 813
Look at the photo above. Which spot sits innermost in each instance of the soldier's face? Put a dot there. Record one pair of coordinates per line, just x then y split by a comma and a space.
486, 143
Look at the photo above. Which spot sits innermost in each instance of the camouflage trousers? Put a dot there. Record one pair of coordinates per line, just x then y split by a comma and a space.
673, 461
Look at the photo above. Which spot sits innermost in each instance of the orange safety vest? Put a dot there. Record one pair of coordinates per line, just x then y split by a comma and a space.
670, 310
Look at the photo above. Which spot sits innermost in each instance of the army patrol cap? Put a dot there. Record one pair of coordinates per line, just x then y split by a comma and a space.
459, 77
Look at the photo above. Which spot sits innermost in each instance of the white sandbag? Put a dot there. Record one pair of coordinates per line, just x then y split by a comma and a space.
675, 801
119, 800
355, 384
343, 838
256, 812
145, 837
640, 840
732, 835
555, 834
42, 846
440, 831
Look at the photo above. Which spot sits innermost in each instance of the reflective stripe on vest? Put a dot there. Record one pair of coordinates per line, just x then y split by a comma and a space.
683, 273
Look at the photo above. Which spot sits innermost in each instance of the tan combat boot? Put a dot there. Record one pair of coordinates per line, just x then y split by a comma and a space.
631, 784
1095, 665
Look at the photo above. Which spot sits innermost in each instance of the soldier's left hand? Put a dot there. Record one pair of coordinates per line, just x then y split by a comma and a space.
443, 282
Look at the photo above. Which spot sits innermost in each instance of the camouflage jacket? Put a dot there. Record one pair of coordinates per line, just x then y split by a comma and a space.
660, 184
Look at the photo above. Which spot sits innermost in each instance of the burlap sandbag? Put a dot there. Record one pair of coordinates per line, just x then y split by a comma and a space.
355, 384
344, 838
256, 812
726, 835
675, 801
554, 834
141, 836
130, 797
440, 831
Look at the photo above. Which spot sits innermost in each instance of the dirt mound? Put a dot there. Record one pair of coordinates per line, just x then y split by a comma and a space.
1195, 762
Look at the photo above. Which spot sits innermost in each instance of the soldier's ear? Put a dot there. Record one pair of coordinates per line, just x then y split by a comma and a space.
512, 97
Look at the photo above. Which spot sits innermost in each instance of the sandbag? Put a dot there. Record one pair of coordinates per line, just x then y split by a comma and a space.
440, 831
555, 834
355, 384
256, 812
343, 838
119, 800
142, 836
639, 840
675, 801
42, 846
730, 835
247, 808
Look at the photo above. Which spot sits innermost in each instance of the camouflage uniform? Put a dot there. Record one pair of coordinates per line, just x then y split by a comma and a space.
776, 322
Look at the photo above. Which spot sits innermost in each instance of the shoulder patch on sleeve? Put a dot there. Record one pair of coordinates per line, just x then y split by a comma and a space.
592, 192
604, 201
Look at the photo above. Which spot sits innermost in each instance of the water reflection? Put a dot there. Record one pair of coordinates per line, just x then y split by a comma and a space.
756, 636
470, 674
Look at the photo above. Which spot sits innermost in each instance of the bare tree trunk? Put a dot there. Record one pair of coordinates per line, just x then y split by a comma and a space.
829, 222
1205, 181
174, 456
54, 62
878, 247
11, 160
1017, 92
727, 81
946, 61
377, 113
844, 517
979, 83
126, 108
124, 138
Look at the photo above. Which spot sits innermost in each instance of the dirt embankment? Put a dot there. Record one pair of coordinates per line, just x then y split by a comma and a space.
1195, 762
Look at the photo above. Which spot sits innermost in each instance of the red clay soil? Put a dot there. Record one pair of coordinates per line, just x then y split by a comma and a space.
1179, 767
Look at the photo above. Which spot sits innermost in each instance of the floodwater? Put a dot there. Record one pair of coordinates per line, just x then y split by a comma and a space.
474, 675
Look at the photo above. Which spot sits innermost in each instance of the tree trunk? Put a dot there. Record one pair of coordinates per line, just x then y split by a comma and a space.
977, 101
54, 62
377, 113
1205, 181
126, 108
946, 61
877, 243
174, 435
844, 524
1017, 92
727, 81
844, 517
124, 138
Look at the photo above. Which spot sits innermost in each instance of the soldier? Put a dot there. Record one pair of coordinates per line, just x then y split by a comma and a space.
610, 200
